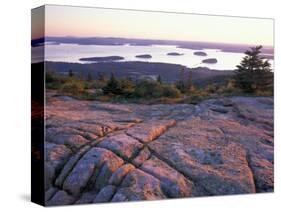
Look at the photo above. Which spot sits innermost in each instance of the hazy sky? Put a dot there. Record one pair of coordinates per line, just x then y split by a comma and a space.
91, 22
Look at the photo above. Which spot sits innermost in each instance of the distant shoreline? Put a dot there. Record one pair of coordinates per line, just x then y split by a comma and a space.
195, 45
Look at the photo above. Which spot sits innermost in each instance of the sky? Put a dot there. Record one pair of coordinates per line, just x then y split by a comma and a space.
95, 22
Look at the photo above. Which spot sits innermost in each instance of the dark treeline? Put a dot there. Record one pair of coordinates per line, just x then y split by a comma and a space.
135, 69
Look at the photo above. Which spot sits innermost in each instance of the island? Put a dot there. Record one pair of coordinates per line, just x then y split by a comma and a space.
174, 54
210, 61
102, 59
200, 53
145, 56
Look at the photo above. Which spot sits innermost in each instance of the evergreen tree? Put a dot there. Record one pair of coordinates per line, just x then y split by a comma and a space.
254, 72
159, 80
180, 84
101, 77
112, 86
89, 77
184, 84
189, 85
70, 73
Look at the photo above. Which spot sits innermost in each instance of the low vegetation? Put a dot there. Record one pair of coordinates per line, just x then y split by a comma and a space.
252, 77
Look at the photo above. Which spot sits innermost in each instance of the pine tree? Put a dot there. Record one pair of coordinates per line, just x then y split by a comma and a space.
112, 86
101, 77
159, 80
89, 77
180, 84
254, 72
184, 84
190, 86
70, 73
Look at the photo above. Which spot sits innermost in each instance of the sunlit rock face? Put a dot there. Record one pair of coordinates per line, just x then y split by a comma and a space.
103, 152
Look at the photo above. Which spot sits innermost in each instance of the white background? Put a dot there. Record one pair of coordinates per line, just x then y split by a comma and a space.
15, 105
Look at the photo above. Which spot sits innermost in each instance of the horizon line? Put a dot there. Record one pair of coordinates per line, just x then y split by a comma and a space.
210, 42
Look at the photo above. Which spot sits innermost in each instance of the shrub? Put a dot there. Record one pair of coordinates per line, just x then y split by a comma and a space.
54, 80
181, 86
229, 88
97, 84
73, 86
87, 85
212, 88
170, 91
153, 89
127, 86
148, 89
50, 77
